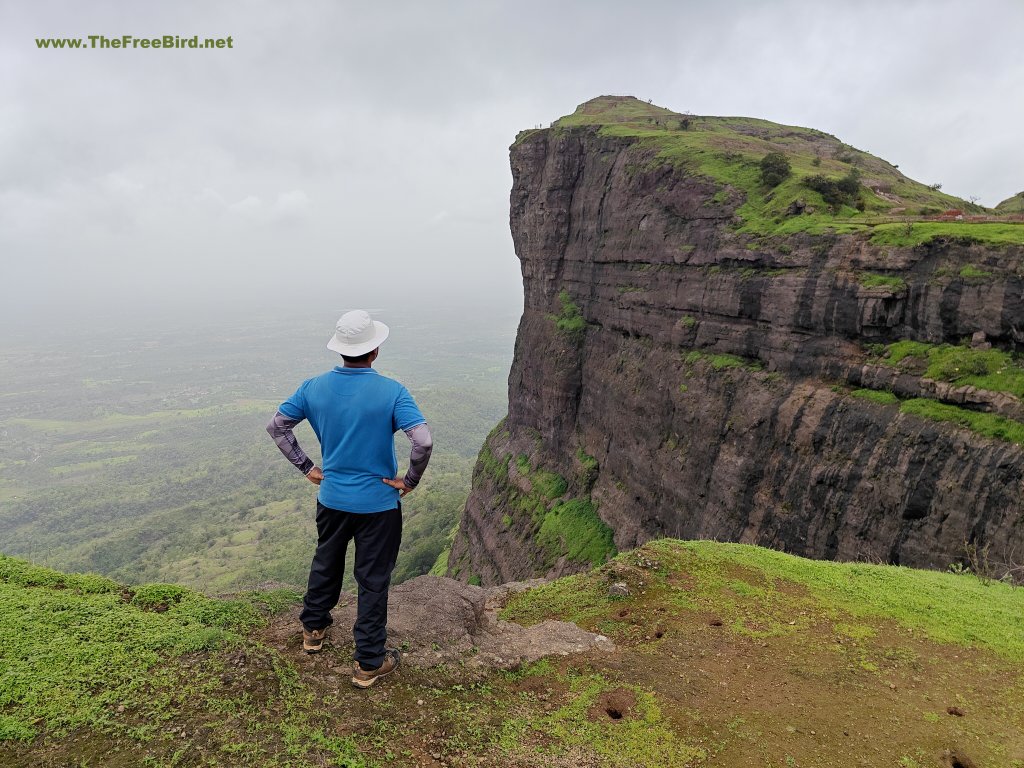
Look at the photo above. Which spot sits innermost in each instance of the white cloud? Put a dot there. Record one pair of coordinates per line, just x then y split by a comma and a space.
291, 205
250, 206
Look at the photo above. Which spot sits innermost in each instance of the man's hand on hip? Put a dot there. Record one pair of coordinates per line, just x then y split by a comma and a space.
315, 475
399, 484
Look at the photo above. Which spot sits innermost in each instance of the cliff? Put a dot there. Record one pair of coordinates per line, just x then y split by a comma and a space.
707, 352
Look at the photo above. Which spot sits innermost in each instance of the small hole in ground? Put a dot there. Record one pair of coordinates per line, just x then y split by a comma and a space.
659, 634
959, 760
617, 705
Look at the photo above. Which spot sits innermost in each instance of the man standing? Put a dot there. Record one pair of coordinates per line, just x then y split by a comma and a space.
355, 413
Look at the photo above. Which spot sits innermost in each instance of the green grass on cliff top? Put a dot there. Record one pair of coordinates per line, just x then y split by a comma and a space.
83, 658
88, 666
729, 150
947, 607
72, 647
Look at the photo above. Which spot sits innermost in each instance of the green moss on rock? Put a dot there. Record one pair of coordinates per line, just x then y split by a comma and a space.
573, 528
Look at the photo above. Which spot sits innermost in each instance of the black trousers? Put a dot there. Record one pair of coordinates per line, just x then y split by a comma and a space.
377, 536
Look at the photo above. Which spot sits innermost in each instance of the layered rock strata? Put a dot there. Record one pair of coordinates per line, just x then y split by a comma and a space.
684, 379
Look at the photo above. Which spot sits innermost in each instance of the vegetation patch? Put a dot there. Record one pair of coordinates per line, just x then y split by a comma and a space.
990, 369
822, 194
440, 566
1014, 204
593, 719
949, 608
875, 280
959, 232
775, 169
588, 468
987, 424
837, 192
563, 527
550, 485
761, 597
971, 272
721, 362
879, 396
487, 463
581, 598
574, 528
570, 320
21, 573
72, 650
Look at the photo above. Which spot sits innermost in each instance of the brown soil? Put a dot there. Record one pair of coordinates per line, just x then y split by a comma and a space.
616, 706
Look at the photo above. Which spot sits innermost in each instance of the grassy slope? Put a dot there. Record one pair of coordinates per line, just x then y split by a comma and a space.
1013, 204
729, 150
728, 655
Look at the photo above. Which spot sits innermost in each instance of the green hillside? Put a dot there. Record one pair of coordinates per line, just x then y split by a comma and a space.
1013, 204
727, 655
877, 199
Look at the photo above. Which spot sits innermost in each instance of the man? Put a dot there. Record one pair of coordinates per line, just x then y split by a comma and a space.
355, 413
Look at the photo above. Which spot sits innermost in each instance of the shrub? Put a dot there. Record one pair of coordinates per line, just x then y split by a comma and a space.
775, 169
836, 192
959, 362
570, 321
159, 596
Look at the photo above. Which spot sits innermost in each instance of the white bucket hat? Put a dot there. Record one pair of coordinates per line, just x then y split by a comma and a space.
356, 334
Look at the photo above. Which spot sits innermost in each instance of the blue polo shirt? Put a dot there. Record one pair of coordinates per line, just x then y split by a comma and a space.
355, 413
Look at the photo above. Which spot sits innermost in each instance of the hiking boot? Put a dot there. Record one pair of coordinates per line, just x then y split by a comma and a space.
313, 639
364, 678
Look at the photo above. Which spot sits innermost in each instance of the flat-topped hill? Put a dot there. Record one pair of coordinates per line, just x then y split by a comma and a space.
887, 205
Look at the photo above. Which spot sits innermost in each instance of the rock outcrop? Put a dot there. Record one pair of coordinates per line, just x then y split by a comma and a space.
442, 621
678, 373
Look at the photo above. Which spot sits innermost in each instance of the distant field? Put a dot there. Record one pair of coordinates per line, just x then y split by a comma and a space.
144, 457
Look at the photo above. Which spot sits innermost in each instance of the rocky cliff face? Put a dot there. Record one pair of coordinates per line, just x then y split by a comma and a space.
683, 370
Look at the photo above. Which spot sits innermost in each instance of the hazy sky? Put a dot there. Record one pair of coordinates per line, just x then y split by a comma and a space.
355, 154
